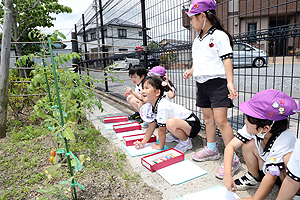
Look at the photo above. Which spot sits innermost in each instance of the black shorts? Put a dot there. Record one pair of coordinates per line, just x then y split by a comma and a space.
194, 122
213, 94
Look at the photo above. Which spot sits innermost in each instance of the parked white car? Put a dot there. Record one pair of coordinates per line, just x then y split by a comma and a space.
125, 63
247, 55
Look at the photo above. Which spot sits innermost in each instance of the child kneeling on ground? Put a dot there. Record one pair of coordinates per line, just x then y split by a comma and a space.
266, 142
182, 123
291, 184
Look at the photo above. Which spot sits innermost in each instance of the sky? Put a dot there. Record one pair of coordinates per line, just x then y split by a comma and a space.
65, 22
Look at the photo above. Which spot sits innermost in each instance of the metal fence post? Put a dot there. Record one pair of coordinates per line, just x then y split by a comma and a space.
79, 70
74, 49
103, 42
144, 30
85, 47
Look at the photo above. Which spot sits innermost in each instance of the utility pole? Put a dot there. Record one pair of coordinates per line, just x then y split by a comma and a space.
97, 28
144, 30
4, 66
103, 43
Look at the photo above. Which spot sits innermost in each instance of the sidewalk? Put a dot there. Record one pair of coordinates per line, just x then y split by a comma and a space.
113, 105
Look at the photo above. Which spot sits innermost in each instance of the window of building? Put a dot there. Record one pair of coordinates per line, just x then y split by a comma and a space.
252, 28
122, 33
140, 33
105, 32
93, 36
123, 49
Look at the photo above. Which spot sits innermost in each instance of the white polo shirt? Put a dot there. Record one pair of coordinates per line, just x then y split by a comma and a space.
138, 89
276, 147
293, 166
208, 54
164, 110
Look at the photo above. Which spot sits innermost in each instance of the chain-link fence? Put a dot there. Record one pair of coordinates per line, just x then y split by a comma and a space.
266, 36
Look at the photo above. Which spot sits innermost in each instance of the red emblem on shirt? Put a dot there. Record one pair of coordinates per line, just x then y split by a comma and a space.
211, 45
281, 101
196, 6
271, 114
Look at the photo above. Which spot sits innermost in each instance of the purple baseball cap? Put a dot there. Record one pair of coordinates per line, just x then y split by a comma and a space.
269, 104
157, 71
200, 6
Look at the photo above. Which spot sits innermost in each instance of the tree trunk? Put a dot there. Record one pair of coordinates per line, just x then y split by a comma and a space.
4, 66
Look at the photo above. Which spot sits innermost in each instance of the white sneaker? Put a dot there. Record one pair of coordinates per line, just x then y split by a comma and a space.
183, 146
171, 138
247, 181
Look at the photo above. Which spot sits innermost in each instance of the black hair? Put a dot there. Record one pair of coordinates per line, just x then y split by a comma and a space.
140, 70
277, 128
156, 83
214, 20
170, 82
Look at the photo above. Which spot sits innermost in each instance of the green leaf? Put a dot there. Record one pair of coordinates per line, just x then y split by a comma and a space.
53, 168
39, 78
32, 118
24, 60
40, 114
55, 160
57, 174
29, 35
61, 35
69, 134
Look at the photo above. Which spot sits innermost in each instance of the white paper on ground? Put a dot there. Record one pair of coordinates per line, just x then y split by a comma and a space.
147, 149
181, 172
128, 133
216, 193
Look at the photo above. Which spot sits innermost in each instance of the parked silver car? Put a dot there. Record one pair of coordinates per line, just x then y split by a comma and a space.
247, 55
124, 63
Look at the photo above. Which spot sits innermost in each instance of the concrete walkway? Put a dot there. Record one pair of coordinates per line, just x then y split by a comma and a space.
113, 105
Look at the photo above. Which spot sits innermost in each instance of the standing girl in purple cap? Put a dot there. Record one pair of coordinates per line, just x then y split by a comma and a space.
212, 69
266, 142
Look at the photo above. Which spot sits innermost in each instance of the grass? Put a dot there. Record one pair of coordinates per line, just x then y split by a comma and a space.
24, 155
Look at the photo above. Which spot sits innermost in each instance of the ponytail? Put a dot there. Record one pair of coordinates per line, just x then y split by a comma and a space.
211, 16
157, 83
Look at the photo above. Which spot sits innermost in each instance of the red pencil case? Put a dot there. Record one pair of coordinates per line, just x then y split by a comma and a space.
115, 119
162, 159
129, 140
127, 127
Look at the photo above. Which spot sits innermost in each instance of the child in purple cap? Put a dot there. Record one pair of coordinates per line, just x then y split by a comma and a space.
266, 142
212, 69
291, 183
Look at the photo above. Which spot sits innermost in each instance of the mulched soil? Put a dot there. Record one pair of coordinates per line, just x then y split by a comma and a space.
107, 175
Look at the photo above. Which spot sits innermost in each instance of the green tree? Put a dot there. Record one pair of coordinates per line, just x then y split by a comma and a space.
30, 14
153, 45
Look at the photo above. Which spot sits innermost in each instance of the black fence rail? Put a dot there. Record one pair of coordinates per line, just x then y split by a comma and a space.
266, 36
